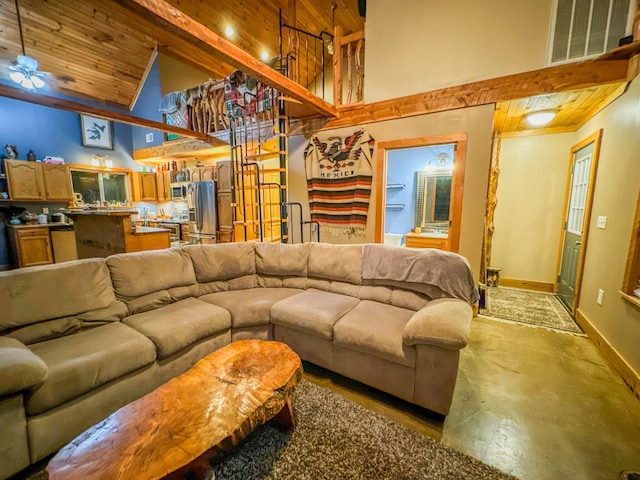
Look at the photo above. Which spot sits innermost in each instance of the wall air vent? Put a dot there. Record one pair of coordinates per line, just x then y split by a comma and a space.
587, 28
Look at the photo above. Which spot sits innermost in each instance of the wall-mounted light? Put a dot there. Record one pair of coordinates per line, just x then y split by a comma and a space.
101, 161
540, 118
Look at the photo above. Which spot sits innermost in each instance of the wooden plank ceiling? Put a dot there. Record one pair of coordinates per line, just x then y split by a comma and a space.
573, 109
100, 50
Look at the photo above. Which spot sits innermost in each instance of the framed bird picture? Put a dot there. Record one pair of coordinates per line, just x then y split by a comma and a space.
96, 132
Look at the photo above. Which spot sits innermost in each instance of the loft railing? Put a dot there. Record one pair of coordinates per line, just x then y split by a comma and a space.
303, 57
348, 61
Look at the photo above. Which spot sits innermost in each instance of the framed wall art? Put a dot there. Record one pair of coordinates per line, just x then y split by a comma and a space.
96, 132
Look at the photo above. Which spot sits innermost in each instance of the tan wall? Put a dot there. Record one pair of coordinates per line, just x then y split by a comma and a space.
175, 75
529, 214
477, 122
615, 196
417, 46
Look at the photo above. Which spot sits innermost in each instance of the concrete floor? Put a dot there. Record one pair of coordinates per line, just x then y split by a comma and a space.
533, 403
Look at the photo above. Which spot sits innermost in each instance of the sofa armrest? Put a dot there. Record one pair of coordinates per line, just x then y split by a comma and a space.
20, 368
445, 322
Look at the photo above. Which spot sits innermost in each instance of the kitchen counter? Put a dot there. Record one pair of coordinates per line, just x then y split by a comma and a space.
120, 212
38, 225
146, 230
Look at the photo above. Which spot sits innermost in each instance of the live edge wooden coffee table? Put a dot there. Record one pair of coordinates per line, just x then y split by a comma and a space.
178, 427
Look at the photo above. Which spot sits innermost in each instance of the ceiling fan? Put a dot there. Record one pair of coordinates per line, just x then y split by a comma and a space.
24, 71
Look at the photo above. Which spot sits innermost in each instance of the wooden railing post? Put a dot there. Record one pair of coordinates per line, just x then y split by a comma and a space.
337, 65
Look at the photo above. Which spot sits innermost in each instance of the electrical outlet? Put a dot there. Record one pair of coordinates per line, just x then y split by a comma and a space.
600, 296
602, 222
149, 137
45, 210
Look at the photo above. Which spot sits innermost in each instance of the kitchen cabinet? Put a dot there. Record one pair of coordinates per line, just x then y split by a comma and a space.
145, 187
29, 246
38, 181
163, 184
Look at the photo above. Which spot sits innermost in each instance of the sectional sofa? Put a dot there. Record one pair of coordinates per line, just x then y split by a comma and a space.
80, 339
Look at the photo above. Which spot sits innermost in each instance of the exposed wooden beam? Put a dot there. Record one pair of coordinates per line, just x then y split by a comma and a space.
547, 80
71, 106
178, 149
183, 26
143, 80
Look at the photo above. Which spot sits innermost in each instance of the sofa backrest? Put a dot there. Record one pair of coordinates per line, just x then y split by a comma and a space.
224, 266
151, 279
282, 265
36, 294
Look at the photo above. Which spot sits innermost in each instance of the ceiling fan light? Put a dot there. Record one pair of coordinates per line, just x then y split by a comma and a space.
37, 81
28, 62
17, 76
27, 83
538, 119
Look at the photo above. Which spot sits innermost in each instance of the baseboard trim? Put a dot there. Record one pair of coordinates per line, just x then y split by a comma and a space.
526, 284
610, 354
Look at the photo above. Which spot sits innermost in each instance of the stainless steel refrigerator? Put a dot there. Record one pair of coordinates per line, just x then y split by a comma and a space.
202, 205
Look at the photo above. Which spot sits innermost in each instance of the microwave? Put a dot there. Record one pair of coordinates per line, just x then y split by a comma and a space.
179, 191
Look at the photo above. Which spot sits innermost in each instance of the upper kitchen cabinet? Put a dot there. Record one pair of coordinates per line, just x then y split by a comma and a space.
38, 181
145, 187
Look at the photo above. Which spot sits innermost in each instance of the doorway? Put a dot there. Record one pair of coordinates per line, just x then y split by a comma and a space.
575, 229
419, 188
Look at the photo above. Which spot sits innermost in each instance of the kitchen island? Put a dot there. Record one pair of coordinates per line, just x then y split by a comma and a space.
100, 233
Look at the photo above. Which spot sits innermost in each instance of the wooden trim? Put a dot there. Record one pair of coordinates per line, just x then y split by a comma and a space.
76, 107
352, 37
176, 22
561, 78
143, 80
632, 299
594, 138
457, 184
610, 354
177, 148
526, 284
632, 269
91, 168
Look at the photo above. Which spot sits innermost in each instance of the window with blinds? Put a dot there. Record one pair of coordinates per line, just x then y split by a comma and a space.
587, 28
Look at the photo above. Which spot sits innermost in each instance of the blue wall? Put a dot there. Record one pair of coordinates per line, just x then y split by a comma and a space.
147, 107
402, 165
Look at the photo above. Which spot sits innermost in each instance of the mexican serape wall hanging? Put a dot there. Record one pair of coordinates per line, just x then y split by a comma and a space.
339, 174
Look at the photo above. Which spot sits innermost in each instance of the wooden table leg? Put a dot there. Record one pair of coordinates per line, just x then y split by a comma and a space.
285, 417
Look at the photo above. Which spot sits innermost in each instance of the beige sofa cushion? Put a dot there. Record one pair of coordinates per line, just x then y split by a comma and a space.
249, 307
20, 368
282, 259
30, 295
336, 262
445, 323
82, 362
312, 311
140, 273
222, 261
58, 327
376, 328
179, 325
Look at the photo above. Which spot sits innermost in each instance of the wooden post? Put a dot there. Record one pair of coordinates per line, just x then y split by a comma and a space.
337, 65
492, 202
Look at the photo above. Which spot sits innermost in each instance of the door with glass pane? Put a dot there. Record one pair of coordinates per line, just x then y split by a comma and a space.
584, 161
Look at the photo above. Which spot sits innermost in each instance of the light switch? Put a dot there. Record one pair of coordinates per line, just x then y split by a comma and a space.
149, 137
602, 222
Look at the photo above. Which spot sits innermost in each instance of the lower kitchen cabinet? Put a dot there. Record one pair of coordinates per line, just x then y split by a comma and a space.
29, 246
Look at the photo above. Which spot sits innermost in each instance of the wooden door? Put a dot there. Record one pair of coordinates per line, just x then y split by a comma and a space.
584, 161
25, 180
57, 182
34, 247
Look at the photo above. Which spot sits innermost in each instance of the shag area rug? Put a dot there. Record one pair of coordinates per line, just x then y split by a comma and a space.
335, 438
533, 308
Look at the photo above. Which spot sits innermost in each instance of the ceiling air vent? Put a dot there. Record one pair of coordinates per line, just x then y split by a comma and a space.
588, 28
